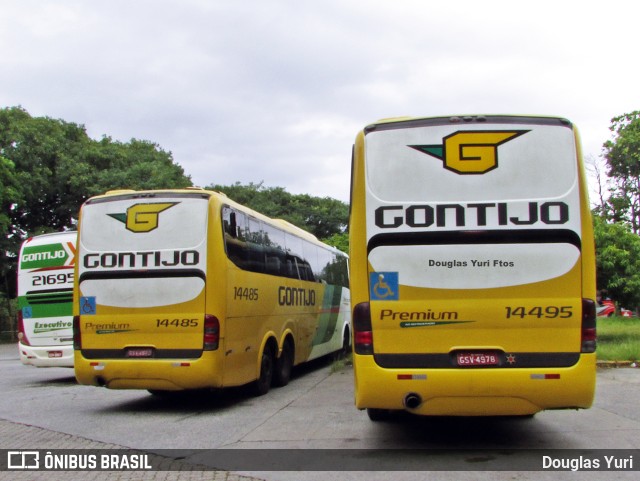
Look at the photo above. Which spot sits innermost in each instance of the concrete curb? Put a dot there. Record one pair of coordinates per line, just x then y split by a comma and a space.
617, 364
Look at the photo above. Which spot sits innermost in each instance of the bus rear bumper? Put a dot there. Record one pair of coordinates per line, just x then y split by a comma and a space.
46, 356
474, 392
158, 375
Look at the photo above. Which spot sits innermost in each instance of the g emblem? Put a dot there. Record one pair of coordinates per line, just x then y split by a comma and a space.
470, 151
143, 217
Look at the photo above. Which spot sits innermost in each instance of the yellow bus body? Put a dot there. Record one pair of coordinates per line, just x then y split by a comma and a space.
469, 300
163, 302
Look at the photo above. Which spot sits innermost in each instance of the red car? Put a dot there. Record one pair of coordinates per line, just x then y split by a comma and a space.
607, 308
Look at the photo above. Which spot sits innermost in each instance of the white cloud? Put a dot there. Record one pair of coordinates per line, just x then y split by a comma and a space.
276, 91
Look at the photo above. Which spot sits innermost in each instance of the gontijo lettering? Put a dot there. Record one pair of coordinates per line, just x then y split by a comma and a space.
110, 260
475, 215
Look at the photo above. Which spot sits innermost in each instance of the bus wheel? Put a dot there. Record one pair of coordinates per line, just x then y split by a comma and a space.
378, 414
284, 364
263, 383
346, 343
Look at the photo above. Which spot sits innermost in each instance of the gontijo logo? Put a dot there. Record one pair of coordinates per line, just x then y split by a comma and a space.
49, 255
143, 217
470, 152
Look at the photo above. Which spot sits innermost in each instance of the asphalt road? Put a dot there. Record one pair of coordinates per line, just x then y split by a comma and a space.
315, 411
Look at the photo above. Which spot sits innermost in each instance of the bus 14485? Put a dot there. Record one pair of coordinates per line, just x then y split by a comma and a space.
472, 267
45, 290
186, 289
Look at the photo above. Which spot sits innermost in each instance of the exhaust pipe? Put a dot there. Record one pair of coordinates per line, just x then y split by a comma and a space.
412, 400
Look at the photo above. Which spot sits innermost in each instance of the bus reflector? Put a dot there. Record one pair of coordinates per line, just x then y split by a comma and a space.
545, 376
211, 333
362, 331
412, 377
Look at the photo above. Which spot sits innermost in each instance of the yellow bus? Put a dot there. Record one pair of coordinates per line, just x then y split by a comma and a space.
186, 289
472, 267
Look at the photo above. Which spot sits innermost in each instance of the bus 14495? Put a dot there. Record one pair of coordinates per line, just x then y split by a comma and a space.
45, 290
186, 289
472, 267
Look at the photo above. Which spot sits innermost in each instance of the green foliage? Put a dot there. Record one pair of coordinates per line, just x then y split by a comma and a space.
622, 154
339, 241
324, 217
617, 261
49, 167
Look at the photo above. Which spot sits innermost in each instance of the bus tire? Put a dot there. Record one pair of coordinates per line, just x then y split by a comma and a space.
262, 385
346, 343
378, 414
284, 365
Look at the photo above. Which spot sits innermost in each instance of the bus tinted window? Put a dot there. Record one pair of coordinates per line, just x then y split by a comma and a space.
267, 249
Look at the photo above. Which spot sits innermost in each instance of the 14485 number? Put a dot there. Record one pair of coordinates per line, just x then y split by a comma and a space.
549, 312
176, 322
245, 294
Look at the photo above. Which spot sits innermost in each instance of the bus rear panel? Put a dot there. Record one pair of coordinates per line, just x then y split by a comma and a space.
472, 267
45, 291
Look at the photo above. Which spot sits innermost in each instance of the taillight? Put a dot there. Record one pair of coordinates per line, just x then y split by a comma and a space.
211, 333
362, 332
77, 336
22, 335
588, 341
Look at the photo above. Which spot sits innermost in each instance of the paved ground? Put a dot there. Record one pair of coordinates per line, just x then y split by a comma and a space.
16, 436
614, 413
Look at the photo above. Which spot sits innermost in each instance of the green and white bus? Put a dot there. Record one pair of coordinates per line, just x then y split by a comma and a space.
45, 294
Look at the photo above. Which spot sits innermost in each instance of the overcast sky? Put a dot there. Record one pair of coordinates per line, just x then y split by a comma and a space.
276, 90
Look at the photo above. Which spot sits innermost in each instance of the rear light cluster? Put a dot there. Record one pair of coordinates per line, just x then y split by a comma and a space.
362, 331
211, 332
588, 338
22, 336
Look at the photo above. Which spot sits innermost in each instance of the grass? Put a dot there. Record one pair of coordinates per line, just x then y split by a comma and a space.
618, 339
340, 363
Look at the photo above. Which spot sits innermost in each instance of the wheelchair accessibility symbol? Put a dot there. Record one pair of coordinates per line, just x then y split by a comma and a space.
88, 306
383, 286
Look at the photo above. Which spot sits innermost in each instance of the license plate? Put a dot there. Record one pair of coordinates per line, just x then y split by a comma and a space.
477, 359
54, 354
140, 352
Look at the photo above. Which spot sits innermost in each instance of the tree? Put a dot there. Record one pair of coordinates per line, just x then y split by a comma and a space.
622, 154
617, 261
339, 241
49, 167
58, 166
322, 216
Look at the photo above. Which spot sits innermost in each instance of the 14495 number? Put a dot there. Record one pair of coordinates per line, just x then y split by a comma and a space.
548, 312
